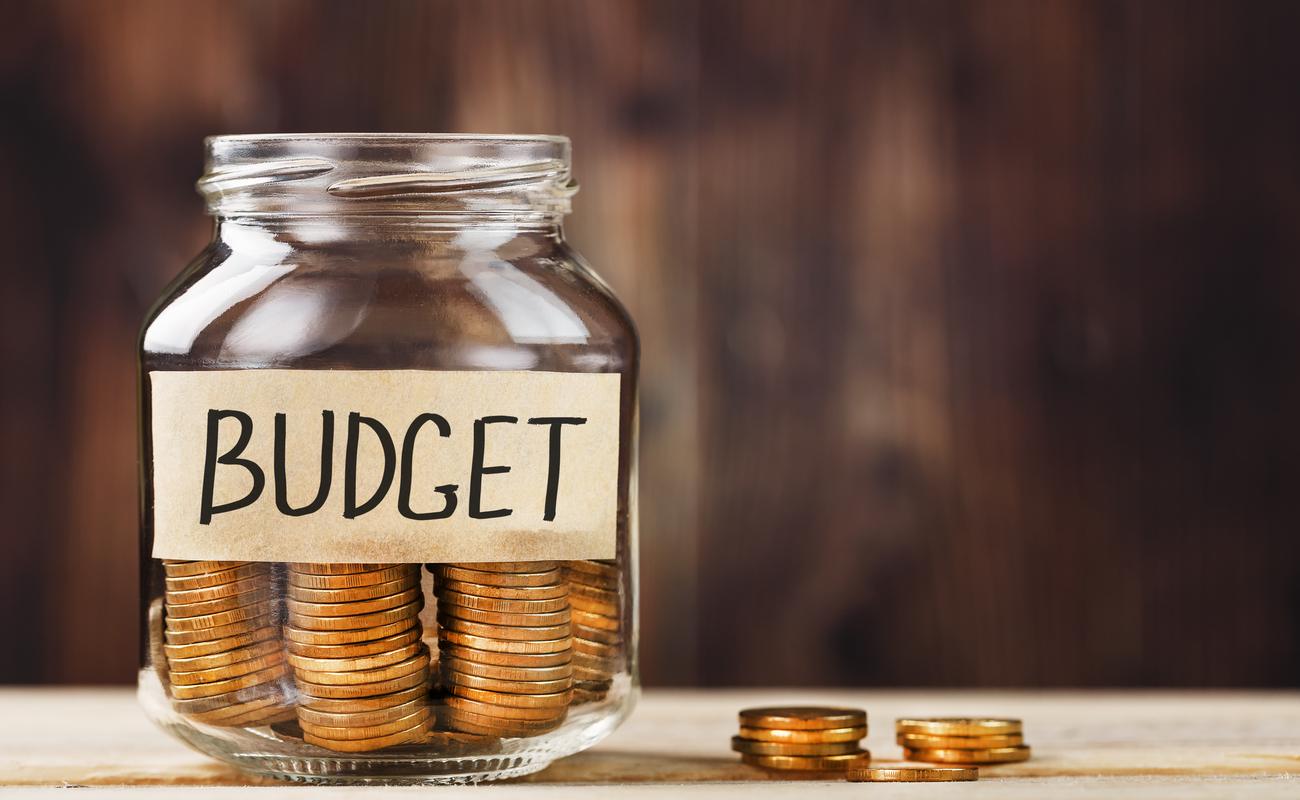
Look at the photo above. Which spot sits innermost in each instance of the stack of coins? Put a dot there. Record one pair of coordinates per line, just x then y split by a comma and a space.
225, 664
506, 646
354, 641
962, 740
598, 646
809, 739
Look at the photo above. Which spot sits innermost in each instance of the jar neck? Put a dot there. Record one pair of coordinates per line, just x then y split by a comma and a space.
324, 229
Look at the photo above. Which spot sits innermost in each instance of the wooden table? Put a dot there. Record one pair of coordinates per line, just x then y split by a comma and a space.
1086, 744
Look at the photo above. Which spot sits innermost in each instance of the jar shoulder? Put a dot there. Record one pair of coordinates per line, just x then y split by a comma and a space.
524, 303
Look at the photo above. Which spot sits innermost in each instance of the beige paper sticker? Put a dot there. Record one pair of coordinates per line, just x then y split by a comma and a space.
384, 466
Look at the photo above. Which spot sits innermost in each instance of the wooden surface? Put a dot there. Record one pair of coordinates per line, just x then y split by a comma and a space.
1096, 744
969, 327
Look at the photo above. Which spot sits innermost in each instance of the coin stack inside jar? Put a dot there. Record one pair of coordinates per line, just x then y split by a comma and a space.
225, 664
805, 738
598, 645
354, 641
962, 740
506, 646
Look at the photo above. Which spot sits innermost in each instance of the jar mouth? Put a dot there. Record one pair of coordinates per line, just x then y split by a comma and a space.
283, 174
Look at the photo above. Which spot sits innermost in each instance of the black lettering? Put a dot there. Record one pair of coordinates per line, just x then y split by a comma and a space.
448, 490
553, 471
350, 508
231, 459
326, 467
477, 471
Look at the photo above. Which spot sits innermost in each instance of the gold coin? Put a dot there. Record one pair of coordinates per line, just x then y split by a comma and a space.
502, 618
354, 593
588, 674
216, 591
505, 566
991, 755
503, 605
598, 636
360, 705
223, 658
202, 705
220, 646
260, 718
802, 718
366, 745
588, 695
754, 748
452, 677
354, 664
387, 644
608, 666
418, 661
224, 672
220, 632
589, 620
522, 579
357, 621
237, 710
337, 568
220, 619
324, 638
347, 719
505, 659
353, 608
210, 607
597, 568
505, 645
504, 712
516, 632
596, 649
596, 595
207, 579
352, 691
549, 592
805, 763
544, 700
608, 584
958, 726
185, 569
267, 675
463, 668
913, 774
351, 580
598, 607
852, 734
417, 717
469, 722
923, 741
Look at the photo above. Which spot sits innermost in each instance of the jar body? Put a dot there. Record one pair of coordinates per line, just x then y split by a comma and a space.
345, 667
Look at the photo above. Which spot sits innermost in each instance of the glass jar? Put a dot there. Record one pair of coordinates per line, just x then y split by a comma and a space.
388, 438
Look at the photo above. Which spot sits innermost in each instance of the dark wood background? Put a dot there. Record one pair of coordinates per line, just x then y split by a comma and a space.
969, 327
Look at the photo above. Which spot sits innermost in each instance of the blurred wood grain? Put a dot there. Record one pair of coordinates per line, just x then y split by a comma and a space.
969, 328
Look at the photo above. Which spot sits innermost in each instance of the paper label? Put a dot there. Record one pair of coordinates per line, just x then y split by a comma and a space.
379, 466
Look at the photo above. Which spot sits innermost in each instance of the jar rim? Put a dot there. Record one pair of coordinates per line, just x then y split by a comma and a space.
495, 174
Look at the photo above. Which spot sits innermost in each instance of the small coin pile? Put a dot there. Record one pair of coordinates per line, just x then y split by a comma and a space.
804, 738
962, 740
599, 651
225, 664
507, 658
359, 661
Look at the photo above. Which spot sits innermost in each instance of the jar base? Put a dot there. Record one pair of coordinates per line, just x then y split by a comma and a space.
520, 757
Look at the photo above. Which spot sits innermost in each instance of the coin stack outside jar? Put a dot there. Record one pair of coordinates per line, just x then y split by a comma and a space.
803, 738
506, 646
359, 661
599, 651
962, 740
225, 664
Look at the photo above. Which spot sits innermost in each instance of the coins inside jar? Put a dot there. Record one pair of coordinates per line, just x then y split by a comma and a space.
220, 642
